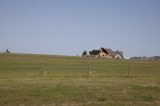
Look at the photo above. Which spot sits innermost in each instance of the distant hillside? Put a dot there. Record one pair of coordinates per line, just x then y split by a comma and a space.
146, 58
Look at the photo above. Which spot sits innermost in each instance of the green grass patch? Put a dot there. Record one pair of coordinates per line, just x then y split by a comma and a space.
43, 80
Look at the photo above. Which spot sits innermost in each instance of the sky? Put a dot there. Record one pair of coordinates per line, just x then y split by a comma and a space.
68, 27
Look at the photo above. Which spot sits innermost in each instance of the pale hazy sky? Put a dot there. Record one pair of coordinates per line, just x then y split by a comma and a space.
67, 27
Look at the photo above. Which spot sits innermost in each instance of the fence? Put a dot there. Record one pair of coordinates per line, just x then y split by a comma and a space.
75, 67
103, 68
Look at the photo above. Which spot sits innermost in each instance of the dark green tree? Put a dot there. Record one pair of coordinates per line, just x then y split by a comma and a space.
7, 51
84, 53
94, 52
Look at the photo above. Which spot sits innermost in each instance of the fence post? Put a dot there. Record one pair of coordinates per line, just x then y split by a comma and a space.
128, 70
88, 70
42, 64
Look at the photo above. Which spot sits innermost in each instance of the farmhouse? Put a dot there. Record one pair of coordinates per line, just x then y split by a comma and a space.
107, 53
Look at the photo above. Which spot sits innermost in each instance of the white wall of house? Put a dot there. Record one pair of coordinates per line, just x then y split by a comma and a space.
117, 56
103, 54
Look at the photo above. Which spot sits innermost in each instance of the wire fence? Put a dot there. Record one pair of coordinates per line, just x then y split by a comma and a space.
92, 68
74, 67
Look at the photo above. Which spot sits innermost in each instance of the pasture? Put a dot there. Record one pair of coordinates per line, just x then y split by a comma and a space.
46, 80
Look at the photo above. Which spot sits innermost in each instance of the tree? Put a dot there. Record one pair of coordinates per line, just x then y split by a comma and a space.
84, 53
7, 51
94, 52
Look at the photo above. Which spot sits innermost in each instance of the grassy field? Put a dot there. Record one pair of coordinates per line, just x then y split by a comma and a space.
43, 80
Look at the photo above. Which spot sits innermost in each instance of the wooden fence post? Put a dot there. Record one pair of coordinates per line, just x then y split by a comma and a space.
128, 70
42, 65
88, 70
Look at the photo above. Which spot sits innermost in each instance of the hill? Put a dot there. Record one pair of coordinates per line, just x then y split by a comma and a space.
46, 80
